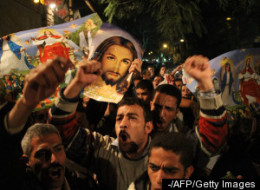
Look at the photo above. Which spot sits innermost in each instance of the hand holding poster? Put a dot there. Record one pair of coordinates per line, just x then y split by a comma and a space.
118, 52
114, 48
22, 51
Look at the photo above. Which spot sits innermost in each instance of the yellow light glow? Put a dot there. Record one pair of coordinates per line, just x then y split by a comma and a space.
165, 45
228, 18
181, 40
36, 1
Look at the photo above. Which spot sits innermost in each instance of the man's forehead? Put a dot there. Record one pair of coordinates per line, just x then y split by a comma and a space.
129, 109
50, 139
164, 98
159, 153
141, 90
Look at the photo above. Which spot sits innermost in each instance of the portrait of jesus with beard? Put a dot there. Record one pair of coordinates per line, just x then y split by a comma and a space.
115, 55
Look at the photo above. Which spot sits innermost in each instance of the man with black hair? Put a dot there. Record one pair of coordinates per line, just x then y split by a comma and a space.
178, 83
157, 80
165, 106
144, 91
170, 157
116, 162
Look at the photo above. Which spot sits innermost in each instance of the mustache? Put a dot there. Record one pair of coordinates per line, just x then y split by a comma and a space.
55, 166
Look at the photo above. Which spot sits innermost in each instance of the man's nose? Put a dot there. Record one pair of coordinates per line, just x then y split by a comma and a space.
162, 112
159, 176
124, 123
54, 158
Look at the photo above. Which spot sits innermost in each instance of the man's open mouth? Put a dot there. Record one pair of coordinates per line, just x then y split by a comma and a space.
55, 172
123, 136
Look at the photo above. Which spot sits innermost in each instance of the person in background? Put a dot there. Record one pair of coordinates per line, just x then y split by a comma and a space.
136, 80
162, 71
178, 83
151, 70
189, 107
146, 75
157, 80
144, 91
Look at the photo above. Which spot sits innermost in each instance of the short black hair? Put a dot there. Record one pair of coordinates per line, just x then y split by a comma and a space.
177, 143
177, 79
135, 101
169, 90
145, 84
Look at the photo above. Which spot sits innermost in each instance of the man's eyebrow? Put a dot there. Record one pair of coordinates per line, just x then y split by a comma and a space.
58, 145
128, 114
164, 168
170, 169
132, 114
171, 108
153, 164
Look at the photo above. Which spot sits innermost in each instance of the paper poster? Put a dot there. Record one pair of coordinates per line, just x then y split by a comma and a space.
236, 75
115, 49
22, 51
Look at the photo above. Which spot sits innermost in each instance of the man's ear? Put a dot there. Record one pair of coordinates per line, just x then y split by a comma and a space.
189, 171
25, 159
148, 127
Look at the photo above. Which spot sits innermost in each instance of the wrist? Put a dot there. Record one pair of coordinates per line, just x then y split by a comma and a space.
68, 98
25, 104
205, 85
73, 90
207, 94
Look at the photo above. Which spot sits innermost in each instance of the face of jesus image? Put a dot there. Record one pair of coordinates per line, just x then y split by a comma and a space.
116, 55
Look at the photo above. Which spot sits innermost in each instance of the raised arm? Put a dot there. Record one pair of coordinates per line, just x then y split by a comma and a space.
62, 114
212, 128
40, 83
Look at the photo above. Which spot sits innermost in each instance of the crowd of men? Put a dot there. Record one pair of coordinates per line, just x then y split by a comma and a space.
158, 130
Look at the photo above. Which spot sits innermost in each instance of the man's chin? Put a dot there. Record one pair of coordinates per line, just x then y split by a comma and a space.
128, 148
54, 178
56, 182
